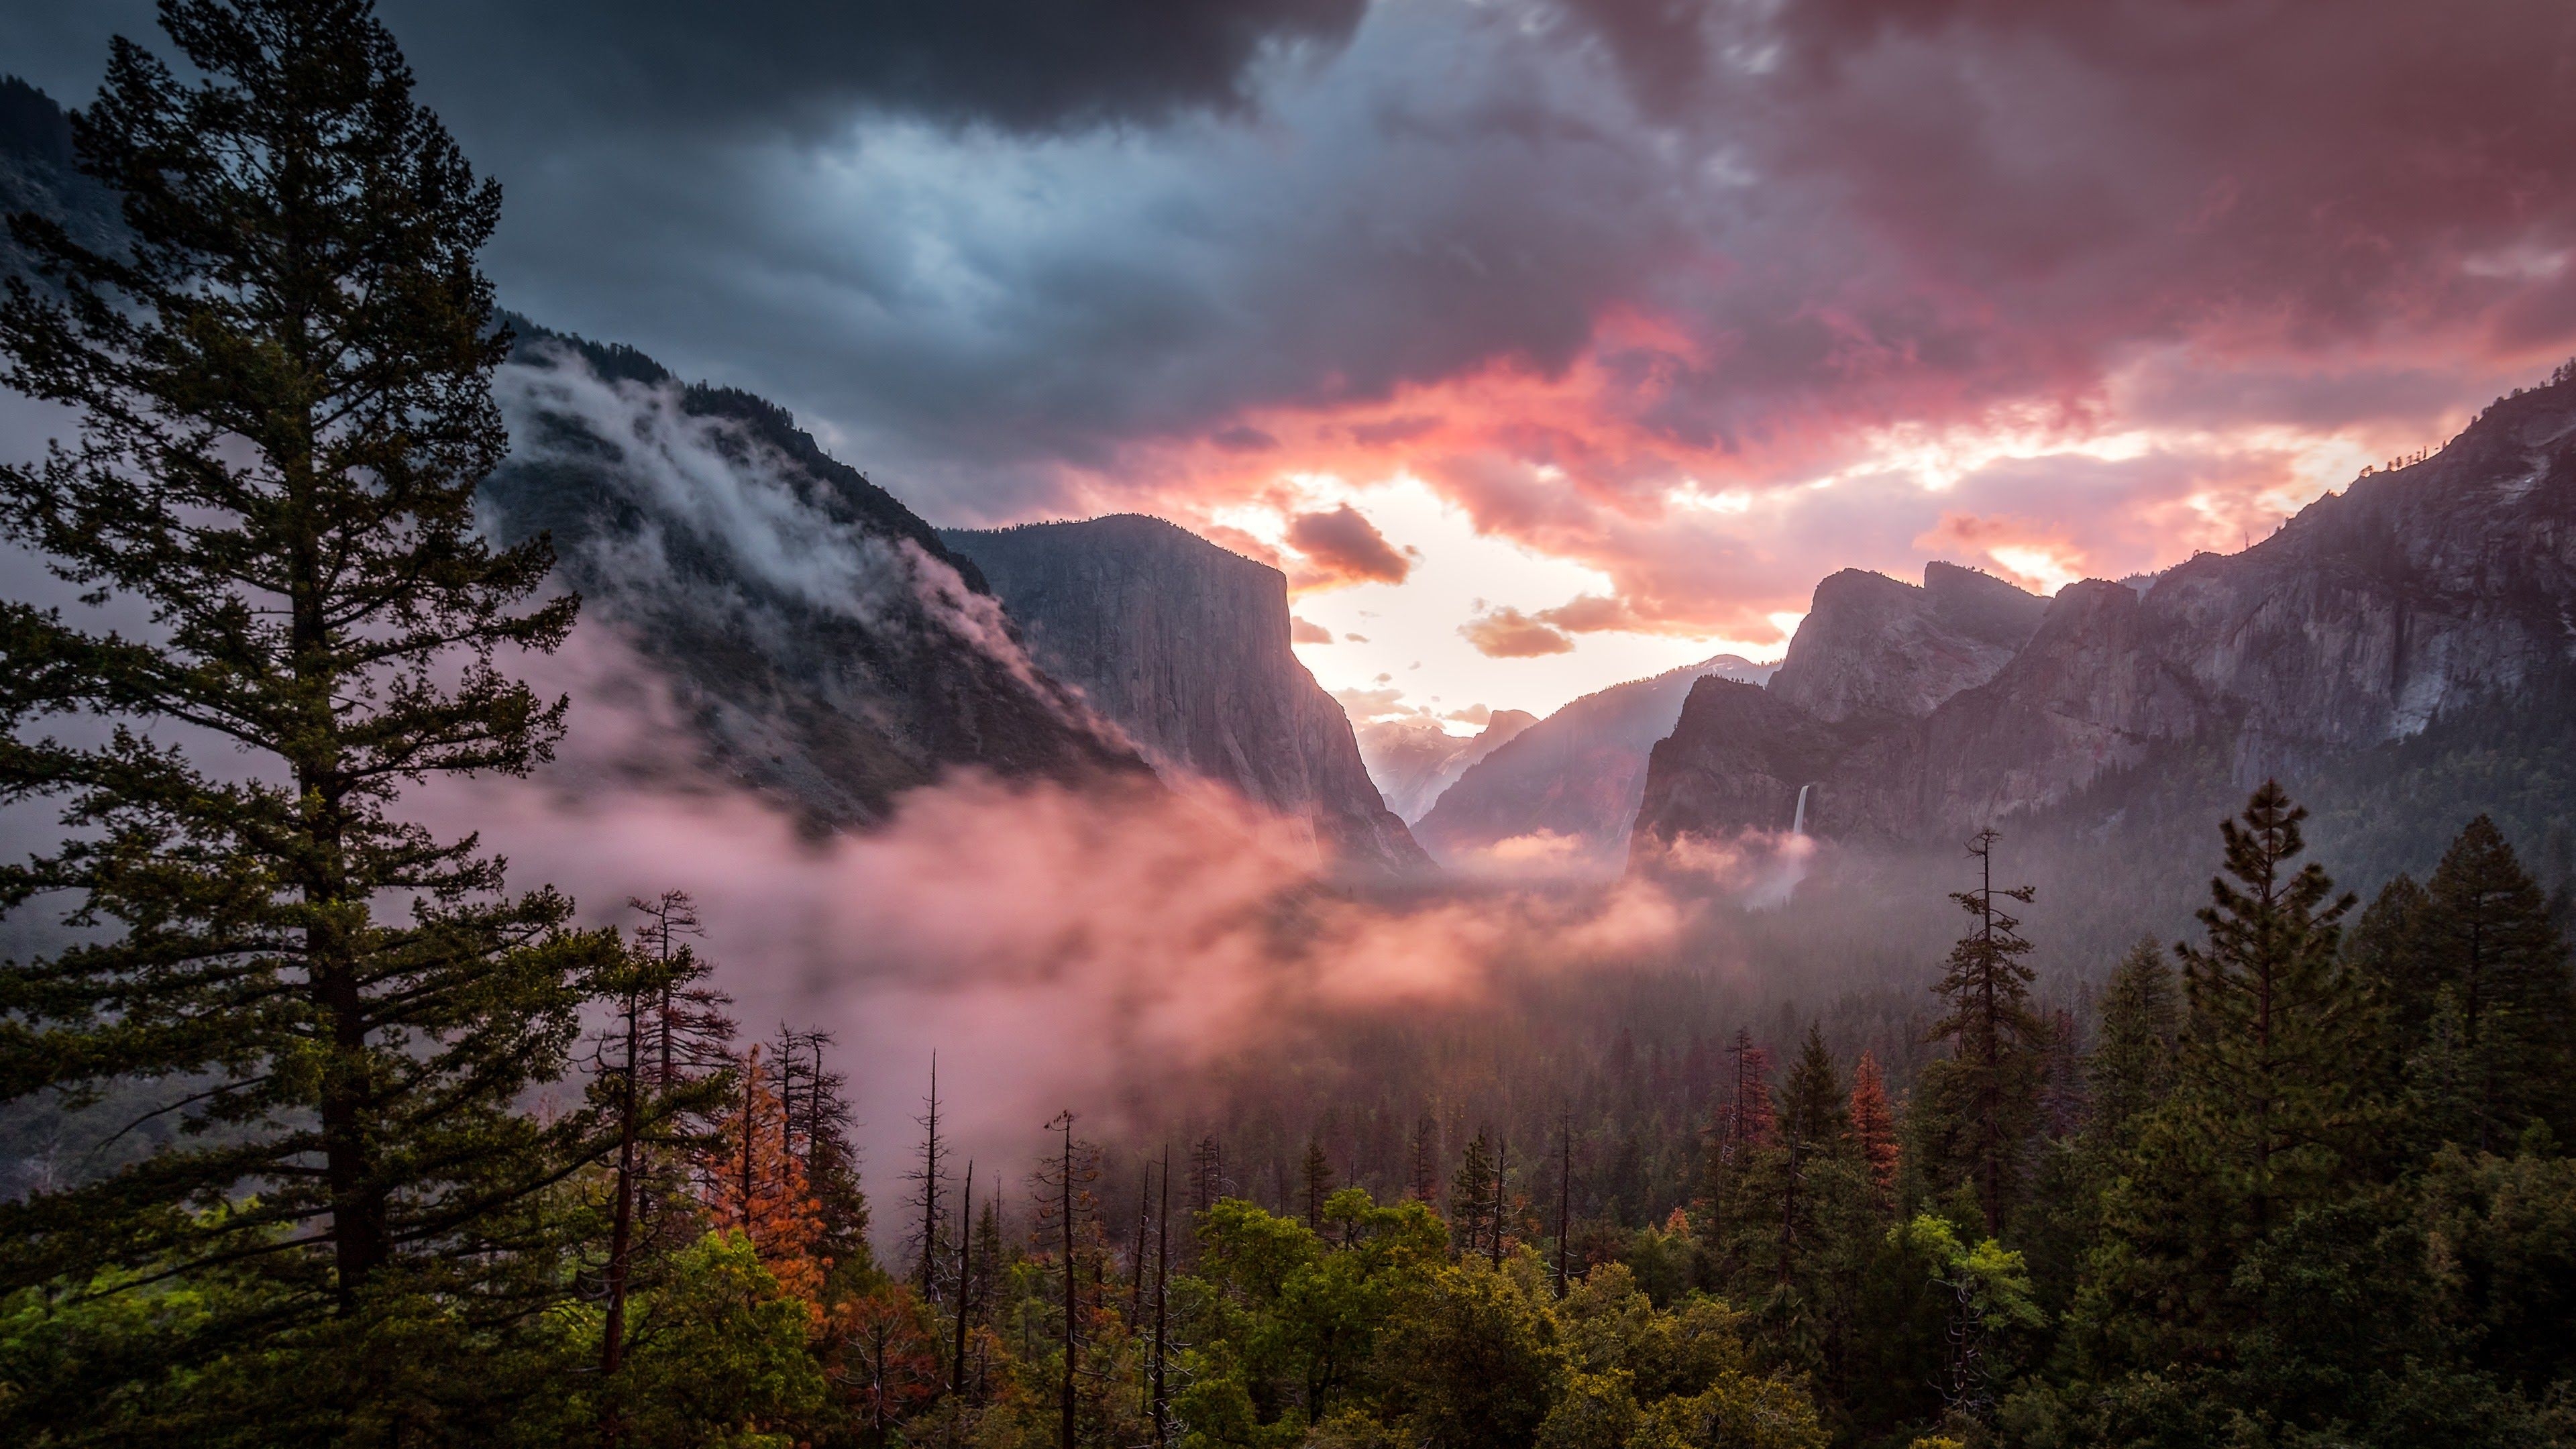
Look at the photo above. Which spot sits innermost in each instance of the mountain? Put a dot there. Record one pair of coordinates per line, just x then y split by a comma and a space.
1872, 646
2412, 609
828, 647
1184, 646
1414, 758
37, 175
1565, 790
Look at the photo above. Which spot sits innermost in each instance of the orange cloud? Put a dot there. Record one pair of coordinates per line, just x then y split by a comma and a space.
1302, 631
1724, 532
1591, 614
1507, 633
1343, 547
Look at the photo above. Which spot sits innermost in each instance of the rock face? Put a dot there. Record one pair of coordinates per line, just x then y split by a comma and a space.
1414, 760
2417, 596
1871, 646
1184, 645
830, 650
37, 175
1565, 790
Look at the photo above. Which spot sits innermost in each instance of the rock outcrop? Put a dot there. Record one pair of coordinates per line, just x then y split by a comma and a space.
1565, 790
828, 648
1872, 646
1185, 646
2425, 594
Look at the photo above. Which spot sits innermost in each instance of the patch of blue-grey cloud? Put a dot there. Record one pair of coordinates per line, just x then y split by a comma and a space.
974, 308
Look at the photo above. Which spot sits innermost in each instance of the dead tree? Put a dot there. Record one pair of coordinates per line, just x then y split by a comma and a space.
928, 1178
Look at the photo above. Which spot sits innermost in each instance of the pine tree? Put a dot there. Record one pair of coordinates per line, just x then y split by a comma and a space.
1743, 1128
2484, 935
284, 394
2274, 1019
2385, 951
2132, 1066
2064, 1101
1564, 1200
1207, 1175
689, 1022
1474, 1211
1873, 1130
1158, 1395
1316, 1177
1813, 1124
2441, 1095
818, 1122
1987, 1089
988, 1256
1747, 1120
1425, 1185
649, 1110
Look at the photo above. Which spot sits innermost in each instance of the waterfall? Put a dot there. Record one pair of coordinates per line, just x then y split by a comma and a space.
1798, 826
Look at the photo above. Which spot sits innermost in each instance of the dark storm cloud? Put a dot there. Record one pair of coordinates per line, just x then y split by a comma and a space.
696, 67
1023, 65
1719, 232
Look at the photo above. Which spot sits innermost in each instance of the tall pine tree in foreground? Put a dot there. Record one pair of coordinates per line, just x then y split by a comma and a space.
2274, 1018
1985, 1094
283, 392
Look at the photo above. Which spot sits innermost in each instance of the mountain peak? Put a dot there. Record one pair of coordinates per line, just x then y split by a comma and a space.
1185, 646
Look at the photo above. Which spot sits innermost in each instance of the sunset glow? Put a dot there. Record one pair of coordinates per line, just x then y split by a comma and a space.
1612, 327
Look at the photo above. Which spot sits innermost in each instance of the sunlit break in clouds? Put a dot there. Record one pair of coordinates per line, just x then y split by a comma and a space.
1547, 343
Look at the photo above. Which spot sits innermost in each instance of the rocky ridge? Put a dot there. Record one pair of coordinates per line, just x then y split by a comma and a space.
1185, 647
2429, 593
827, 648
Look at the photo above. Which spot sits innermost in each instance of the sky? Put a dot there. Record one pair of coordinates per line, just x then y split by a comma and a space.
1543, 343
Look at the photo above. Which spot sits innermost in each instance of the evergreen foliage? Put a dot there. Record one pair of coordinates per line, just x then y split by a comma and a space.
282, 384
2132, 1066
1986, 1091
2275, 1015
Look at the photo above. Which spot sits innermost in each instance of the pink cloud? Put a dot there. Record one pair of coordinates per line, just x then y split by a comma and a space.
1342, 547
1507, 633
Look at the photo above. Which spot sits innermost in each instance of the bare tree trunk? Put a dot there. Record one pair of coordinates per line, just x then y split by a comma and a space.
750, 1088
965, 1265
1162, 1267
930, 1191
621, 1232
1071, 1290
1564, 1196
1144, 1209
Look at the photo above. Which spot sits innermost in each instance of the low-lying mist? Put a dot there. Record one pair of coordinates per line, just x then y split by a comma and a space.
1107, 948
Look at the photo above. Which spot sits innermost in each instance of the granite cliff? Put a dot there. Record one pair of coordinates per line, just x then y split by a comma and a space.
1184, 646
2436, 593
827, 647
